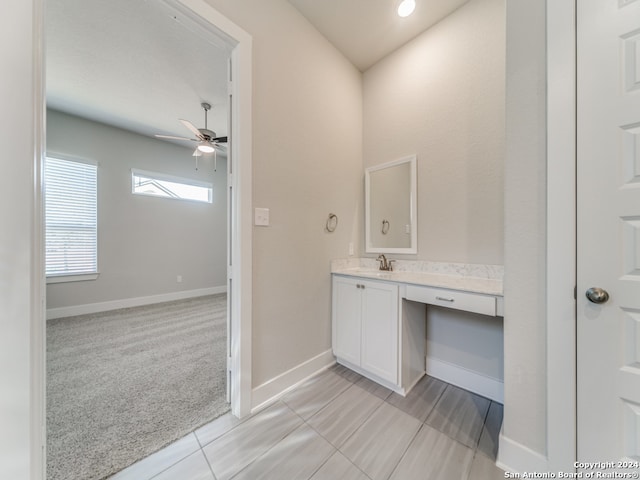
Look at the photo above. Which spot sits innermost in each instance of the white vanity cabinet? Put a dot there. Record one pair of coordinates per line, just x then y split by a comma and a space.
380, 323
365, 320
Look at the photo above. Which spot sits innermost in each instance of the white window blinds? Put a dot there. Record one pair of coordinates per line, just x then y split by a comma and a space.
70, 218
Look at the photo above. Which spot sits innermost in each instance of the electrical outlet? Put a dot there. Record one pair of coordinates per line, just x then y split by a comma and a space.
350, 248
179, 279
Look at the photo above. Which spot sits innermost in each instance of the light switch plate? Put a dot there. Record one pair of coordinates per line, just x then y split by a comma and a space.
261, 217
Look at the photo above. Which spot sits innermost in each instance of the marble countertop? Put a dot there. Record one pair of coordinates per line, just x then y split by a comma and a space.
485, 279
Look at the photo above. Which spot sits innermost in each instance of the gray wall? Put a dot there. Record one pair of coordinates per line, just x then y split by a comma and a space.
144, 242
441, 97
307, 163
277, 29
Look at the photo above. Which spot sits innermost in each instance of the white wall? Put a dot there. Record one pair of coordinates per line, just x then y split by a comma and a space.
441, 97
144, 242
19, 286
525, 228
307, 163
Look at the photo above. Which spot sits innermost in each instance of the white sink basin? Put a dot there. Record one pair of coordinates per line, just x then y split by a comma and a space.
370, 273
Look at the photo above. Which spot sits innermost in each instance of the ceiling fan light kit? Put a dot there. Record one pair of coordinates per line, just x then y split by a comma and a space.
205, 147
207, 140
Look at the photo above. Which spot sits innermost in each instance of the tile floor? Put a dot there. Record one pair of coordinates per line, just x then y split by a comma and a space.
341, 426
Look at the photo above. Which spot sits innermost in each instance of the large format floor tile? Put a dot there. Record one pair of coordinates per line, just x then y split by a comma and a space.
482, 468
215, 429
298, 456
194, 467
421, 399
373, 387
434, 456
377, 446
159, 461
344, 414
315, 393
239, 447
488, 443
346, 373
339, 467
340, 425
460, 415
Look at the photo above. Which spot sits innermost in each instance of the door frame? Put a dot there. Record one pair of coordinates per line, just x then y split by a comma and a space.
240, 220
239, 268
561, 237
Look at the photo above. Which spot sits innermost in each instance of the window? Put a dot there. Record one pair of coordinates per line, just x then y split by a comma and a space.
160, 185
71, 226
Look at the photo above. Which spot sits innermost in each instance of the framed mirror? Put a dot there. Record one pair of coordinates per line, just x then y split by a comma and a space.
391, 207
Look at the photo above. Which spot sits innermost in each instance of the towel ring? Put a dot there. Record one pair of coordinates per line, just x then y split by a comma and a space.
332, 223
385, 227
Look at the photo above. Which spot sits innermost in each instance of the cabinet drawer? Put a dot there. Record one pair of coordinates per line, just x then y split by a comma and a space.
469, 302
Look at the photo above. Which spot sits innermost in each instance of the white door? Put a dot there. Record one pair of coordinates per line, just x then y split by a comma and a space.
608, 230
346, 314
380, 330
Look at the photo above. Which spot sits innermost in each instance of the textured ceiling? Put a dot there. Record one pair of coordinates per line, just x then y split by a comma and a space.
136, 64
365, 31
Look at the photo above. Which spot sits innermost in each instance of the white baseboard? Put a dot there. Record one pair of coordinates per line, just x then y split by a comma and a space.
514, 457
271, 390
131, 302
488, 387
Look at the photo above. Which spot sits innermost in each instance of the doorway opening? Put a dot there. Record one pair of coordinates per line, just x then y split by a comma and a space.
236, 191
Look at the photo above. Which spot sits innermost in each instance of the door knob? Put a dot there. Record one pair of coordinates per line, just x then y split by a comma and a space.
597, 295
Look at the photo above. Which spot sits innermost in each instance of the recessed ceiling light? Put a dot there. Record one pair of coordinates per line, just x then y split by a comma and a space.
406, 8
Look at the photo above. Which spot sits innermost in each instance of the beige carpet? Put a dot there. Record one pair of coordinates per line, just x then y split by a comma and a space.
123, 384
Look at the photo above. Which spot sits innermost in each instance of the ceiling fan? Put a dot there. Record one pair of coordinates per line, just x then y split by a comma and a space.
206, 139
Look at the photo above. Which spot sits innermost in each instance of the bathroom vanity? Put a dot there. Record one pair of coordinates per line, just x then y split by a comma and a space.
379, 317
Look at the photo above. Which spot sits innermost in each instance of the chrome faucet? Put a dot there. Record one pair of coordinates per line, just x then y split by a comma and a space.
384, 263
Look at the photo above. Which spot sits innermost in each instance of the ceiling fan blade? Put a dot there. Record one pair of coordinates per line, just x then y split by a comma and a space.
171, 137
219, 140
193, 129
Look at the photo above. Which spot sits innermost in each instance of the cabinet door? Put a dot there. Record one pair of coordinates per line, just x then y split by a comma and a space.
380, 330
346, 319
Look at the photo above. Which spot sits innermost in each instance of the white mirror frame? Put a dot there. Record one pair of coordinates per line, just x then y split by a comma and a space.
413, 248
